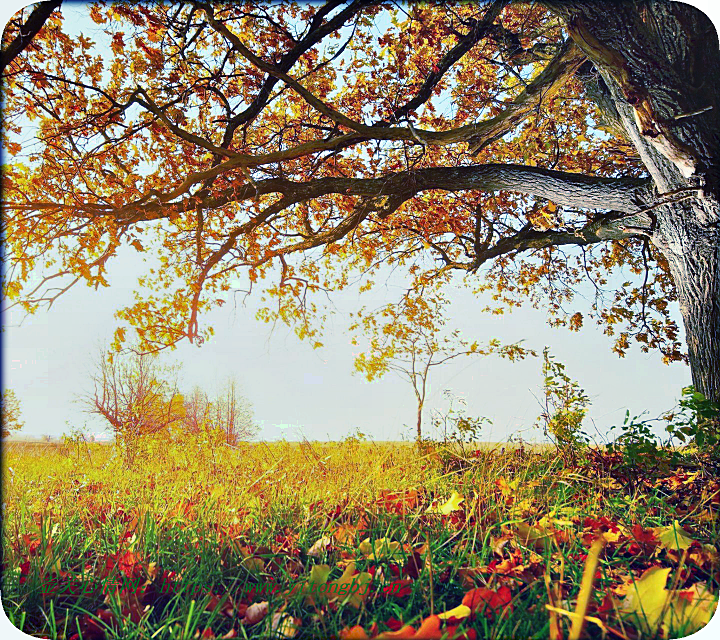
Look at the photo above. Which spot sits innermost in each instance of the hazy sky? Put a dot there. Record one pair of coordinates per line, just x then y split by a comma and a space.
48, 360
296, 390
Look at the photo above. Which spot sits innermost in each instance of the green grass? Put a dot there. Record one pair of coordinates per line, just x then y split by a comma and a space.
216, 522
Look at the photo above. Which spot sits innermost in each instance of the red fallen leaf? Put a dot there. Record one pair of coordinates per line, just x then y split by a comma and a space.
606, 606
601, 524
398, 502
487, 601
394, 624
413, 566
223, 604
645, 540
32, 543
398, 588
126, 563
92, 629
393, 568
644, 536
131, 606
24, 571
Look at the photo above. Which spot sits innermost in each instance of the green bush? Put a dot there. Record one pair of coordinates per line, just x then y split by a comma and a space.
697, 421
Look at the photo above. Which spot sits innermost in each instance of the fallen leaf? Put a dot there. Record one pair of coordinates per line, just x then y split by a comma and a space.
284, 625
673, 538
458, 613
654, 607
320, 547
382, 549
351, 588
453, 504
255, 613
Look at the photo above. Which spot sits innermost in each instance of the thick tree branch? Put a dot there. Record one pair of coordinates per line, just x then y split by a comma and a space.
625, 195
28, 31
610, 226
546, 85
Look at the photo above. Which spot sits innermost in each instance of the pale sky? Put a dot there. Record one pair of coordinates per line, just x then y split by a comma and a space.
296, 390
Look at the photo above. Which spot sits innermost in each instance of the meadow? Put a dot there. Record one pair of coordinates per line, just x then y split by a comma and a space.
454, 542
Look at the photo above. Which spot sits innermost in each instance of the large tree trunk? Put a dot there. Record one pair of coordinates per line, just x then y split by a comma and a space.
660, 67
697, 279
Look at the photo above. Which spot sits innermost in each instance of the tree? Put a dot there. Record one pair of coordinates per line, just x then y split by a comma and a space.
10, 412
198, 411
539, 145
409, 341
234, 414
230, 414
133, 394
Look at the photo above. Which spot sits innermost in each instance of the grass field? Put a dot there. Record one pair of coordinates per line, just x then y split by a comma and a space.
488, 544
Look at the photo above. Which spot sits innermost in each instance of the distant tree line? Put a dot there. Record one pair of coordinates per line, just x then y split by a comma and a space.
139, 397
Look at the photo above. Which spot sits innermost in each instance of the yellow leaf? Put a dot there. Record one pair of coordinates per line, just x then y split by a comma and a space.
461, 611
382, 548
350, 589
648, 598
691, 610
284, 625
532, 536
453, 504
673, 538
672, 611
318, 576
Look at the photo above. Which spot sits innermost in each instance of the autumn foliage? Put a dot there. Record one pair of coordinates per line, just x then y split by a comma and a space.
295, 145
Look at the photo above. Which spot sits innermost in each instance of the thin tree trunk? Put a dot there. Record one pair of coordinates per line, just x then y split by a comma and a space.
419, 420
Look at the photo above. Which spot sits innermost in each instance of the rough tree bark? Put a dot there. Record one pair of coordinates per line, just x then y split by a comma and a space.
660, 67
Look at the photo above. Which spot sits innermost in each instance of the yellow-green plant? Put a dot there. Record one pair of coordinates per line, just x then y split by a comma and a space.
564, 404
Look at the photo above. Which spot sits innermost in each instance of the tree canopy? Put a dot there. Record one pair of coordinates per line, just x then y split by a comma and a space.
522, 148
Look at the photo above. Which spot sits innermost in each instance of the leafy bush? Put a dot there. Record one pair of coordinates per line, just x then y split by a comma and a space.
696, 422
458, 433
638, 447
